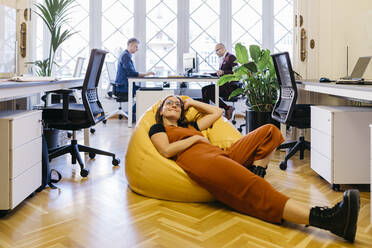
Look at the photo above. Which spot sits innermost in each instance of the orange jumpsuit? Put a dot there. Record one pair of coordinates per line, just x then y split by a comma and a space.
224, 175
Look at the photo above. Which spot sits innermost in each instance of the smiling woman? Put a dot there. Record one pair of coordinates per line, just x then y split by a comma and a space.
235, 176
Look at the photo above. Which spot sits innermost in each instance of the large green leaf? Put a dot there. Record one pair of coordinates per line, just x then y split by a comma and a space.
251, 66
236, 92
227, 78
255, 52
241, 53
240, 71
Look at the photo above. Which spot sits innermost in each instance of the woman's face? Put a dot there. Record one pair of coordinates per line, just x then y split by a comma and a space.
172, 108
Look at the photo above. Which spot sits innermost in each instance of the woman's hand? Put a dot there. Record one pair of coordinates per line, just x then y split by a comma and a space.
201, 139
187, 103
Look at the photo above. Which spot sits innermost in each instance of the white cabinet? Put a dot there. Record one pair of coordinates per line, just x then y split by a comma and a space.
20, 156
340, 144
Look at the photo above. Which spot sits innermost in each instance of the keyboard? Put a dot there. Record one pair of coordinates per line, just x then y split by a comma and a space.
150, 88
353, 82
201, 76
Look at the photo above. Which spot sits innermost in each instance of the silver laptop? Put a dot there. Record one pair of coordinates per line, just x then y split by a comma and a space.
359, 69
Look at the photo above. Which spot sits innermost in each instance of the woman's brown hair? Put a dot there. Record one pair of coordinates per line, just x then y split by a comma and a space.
181, 121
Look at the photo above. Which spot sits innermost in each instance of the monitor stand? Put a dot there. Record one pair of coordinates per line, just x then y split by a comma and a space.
188, 73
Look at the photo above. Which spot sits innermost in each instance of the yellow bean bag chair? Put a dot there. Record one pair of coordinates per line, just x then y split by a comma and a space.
150, 174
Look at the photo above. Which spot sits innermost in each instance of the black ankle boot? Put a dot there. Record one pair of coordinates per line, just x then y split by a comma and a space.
258, 170
341, 219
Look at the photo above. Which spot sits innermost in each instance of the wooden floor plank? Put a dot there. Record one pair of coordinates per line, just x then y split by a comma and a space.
101, 211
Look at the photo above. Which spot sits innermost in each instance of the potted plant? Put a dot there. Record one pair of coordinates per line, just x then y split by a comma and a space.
255, 70
54, 13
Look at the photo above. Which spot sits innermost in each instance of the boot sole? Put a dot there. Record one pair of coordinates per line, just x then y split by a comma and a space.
352, 218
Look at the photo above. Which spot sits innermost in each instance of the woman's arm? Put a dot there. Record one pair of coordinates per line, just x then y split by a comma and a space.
161, 143
212, 113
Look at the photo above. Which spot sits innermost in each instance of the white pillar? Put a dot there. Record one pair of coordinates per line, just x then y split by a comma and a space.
226, 23
183, 30
140, 33
268, 24
95, 24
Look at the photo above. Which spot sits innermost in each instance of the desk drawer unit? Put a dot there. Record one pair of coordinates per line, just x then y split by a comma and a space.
340, 143
20, 156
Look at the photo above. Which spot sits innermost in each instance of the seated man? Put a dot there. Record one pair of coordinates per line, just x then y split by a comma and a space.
126, 69
227, 62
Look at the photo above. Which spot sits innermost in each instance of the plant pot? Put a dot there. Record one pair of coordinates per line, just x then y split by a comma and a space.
254, 119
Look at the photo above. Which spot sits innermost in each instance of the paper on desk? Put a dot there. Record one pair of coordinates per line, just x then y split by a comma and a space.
33, 79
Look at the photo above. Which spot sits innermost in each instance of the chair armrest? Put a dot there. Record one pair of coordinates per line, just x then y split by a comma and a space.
77, 88
66, 91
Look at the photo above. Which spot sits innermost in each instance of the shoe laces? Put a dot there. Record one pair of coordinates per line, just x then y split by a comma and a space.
327, 212
258, 170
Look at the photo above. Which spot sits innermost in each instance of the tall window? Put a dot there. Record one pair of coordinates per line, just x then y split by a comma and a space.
161, 36
7, 39
78, 44
283, 25
158, 20
247, 22
205, 32
117, 26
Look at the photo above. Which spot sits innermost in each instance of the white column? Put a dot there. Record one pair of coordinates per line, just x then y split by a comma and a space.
140, 33
225, 24
268, 24
183, 30
95, 24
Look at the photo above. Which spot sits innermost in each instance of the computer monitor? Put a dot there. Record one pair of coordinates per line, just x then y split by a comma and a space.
190, 63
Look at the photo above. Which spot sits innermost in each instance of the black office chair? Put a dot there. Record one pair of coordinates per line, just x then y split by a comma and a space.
286, 110
73, 116
113, 94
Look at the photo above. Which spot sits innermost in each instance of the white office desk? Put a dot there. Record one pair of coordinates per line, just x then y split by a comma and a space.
133, 80
11, 90
355, 92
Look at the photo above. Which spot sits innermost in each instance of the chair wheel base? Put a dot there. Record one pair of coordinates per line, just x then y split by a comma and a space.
115, 161
336, 187
104, 121
92, 130
121, 117
3, 213
84, 172
92, 155
283, 165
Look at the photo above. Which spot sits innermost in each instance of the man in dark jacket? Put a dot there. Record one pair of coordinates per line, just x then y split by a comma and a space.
126, 69
227, 62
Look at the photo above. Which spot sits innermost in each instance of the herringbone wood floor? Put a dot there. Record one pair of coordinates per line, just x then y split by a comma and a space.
102, 212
